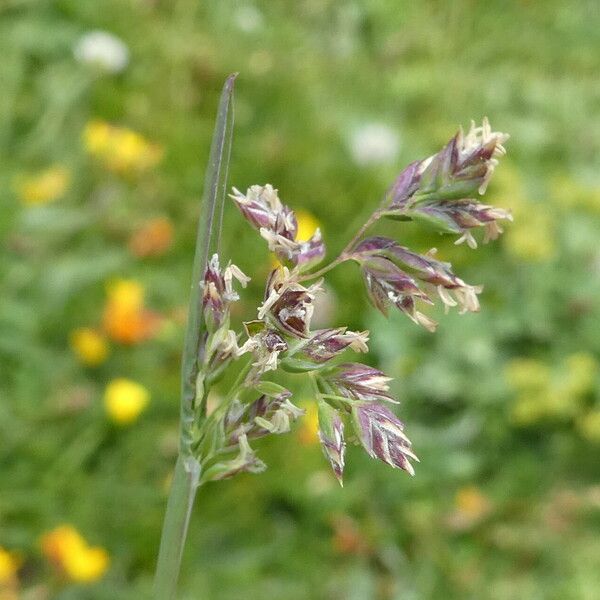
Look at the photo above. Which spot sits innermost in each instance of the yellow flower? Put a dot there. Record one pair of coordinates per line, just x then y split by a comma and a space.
120, 149
43, 187
89, 345
527, 373
582, 369
9, 565
308, 433
307, 225
531, 238
127, 293
472, 502
124, 400
528, 408
71, 554
125, 318
97, 137
61, 541
589, 426
571, 194
550, 392
471, 507
87, 565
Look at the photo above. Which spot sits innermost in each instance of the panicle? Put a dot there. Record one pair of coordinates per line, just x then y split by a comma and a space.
442, 191
459, 217
221, 348
309, 253
479, 151
262, 208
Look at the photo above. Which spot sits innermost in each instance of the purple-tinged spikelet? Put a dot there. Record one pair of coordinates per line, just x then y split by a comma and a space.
381, 434
288, 305
218, 292
441, 190
387, 285
331, 435
361, 382
325, 344
278, 225
435, 274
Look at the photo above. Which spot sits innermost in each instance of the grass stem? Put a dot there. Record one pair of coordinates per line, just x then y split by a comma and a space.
179, 509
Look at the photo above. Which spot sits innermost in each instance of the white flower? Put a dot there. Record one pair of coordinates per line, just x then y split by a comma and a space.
248, 18
374, 143
103, 50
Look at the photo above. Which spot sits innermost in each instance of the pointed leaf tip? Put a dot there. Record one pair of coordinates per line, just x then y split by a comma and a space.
230, 81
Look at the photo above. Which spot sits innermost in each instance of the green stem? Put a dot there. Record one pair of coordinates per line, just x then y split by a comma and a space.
179, 509
343, 256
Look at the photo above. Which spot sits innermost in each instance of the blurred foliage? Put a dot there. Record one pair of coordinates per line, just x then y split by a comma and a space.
100, 176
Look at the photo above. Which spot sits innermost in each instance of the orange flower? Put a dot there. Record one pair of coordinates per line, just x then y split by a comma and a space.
152, 239
471, 507
71, 554
125, 318
471, 501
347, 537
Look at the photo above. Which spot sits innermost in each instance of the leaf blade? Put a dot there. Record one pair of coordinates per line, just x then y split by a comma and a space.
207, 242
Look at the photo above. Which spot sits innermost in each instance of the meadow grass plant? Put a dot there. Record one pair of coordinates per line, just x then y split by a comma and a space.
441, 192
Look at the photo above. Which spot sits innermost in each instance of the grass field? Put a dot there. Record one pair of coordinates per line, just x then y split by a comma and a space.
101, 170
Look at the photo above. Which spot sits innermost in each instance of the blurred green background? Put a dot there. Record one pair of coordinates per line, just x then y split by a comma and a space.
103, 144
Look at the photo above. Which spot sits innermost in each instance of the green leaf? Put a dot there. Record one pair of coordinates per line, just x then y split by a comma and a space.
271, 389
207, 242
